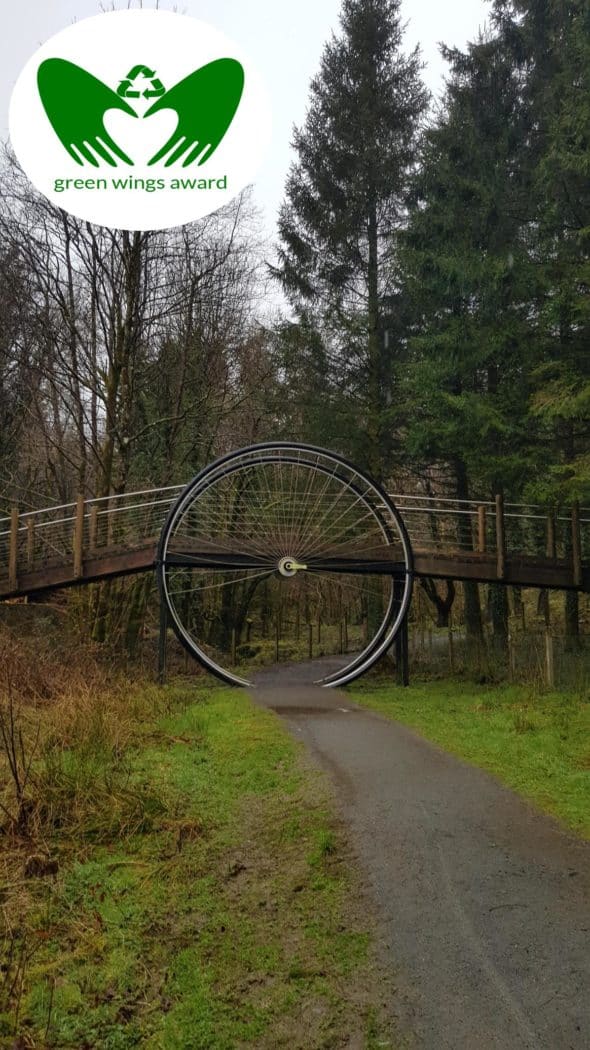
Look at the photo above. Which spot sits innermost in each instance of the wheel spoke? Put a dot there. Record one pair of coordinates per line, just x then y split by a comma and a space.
211, 561
274, 543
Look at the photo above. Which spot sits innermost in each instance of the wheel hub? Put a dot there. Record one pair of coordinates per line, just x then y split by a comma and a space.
290, 567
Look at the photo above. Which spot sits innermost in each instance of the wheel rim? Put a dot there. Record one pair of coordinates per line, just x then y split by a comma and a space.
284, 534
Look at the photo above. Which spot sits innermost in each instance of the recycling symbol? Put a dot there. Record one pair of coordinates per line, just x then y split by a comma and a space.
126, 89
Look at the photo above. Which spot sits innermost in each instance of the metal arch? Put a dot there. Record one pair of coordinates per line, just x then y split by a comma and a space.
269, 452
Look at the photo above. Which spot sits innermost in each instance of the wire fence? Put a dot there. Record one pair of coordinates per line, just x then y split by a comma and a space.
547, 658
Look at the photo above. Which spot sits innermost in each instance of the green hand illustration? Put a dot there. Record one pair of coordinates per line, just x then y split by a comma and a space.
76, 103
205, 103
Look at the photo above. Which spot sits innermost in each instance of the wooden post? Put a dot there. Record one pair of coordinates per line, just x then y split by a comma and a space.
93, 530
481, 529
234, 651
549, 660
511, 657
451, 646
310, 640
500, 539
13, 551
576, 545
79, 538
30, 544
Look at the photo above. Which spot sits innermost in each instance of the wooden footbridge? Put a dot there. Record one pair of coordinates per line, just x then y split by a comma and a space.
489, 542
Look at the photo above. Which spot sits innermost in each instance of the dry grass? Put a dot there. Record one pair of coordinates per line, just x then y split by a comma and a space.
65, 730
67, 724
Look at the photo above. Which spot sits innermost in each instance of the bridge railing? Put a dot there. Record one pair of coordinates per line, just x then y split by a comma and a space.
75, 532
486, 526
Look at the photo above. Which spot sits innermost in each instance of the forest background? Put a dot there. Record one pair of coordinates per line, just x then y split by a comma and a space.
435, 266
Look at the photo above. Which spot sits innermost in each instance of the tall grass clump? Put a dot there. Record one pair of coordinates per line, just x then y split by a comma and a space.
66, 729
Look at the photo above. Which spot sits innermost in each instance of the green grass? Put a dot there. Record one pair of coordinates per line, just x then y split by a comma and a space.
536, 743
231, 919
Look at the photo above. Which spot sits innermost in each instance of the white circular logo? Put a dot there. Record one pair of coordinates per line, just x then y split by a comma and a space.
140, 120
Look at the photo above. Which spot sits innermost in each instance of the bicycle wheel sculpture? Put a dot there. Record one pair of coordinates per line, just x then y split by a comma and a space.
288, 547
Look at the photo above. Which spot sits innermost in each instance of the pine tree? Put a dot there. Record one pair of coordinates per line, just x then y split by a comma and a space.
345, 203
470, 278
551, 41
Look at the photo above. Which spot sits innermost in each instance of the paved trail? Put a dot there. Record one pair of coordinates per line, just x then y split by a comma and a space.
484, 903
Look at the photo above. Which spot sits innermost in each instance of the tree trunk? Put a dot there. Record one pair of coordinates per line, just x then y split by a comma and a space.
498, 599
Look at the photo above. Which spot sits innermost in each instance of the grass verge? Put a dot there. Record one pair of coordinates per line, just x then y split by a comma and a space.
222, 914
536, 743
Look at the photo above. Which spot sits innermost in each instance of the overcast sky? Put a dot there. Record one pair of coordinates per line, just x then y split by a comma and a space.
284, 39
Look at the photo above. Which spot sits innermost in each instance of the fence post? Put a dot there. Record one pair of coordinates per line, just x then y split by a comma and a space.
549, 660
30, 544
13, 551
234, 653
500, 538
511, 657
451, 645
79, 538
481, 529
576, 545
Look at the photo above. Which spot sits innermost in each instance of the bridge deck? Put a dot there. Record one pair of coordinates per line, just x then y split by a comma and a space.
519, 571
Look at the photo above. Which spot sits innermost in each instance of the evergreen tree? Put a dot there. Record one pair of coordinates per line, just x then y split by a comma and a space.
345, 204
550, 39
470, 279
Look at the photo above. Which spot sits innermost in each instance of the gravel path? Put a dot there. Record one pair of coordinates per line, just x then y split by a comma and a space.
484, 903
